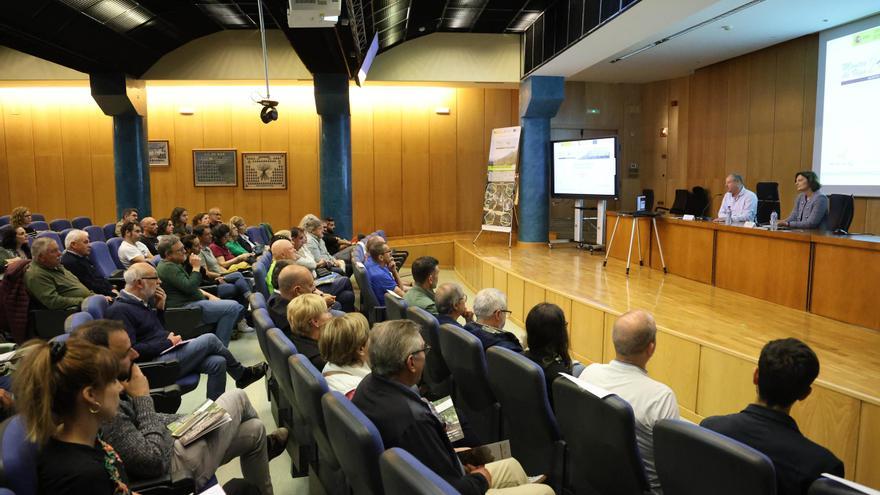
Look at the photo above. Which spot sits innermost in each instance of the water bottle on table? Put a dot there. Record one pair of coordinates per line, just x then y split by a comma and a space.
774, 220
728, 217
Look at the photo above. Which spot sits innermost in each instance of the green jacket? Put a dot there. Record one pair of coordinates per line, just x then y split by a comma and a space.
421, 298
235, 248
55, 288
180, 287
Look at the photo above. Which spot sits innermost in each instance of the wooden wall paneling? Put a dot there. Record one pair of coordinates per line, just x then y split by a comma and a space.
103, 170
443, 174
515, 297
608, 352
676, 143
160, 126
415, 166
872, 216
587, 329
563, 302
248, 204
364, 171
620, 247
443, 251
867, 470
499, 279
831, 419
188, 135
629, 131
388, 173
841, 277
487, 278
532, 296
762, 99
698, 123
811, 76
5, 205
303, 158
725, 383
788, 120
217, 133
715, 146
736, 150
498, 113
276, 137
20, 152
860, 207
676, 362
76, 156
48, 163
655, 97
469, 161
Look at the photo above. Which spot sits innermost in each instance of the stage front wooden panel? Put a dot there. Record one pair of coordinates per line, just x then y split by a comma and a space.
771, 266
688, 249
620, 247
867, 469
845, 276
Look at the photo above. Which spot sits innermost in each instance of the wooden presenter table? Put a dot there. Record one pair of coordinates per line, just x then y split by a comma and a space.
833, 276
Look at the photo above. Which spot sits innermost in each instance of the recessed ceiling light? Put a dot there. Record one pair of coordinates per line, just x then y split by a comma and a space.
824, 20
726, 27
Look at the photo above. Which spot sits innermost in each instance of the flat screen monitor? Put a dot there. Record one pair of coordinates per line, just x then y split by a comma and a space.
584, 168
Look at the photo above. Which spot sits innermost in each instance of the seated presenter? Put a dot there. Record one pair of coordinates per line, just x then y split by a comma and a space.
811, 206
742, 203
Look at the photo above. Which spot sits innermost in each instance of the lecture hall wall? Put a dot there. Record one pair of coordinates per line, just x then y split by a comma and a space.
754, 114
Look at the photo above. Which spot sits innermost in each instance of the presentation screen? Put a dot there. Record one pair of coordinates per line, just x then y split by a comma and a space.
584, 168
847, 143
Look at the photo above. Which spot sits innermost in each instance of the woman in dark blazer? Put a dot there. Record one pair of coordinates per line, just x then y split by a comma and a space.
810, 207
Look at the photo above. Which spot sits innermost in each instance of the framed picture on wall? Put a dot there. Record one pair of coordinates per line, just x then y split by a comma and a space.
158, 151
215, 168
265, 170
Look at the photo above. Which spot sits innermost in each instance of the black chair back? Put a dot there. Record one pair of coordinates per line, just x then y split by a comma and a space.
467, 363
403, 474
395, 307
535, 441
766, 208
301, 443
357, 442
436, 375
692, 460
679, 204
649, 199
827, 486
698, 202
840, 212
601, 438
767, 191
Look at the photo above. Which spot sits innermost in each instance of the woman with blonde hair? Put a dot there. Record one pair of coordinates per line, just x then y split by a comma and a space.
343, 345
307, 315
64, 391
239, 238
21, 217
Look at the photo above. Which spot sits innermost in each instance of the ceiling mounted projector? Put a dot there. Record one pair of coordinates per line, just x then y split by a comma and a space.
313, 13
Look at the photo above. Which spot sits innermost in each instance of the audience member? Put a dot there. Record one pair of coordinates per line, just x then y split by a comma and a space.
742, 203
388, 397
49, 282
215, 216
343, 345
140, 308
634, 337
76, 260
382, 272
242, 239
785, 374
335, 245
21, 217
233, 242
307, 314
131, 249
490, 309
13, 247
201, 219
452, 305
129, 215
150, 234
810, 207
65, 392
143, 441
337, 286
547, 342
220, 236
183, 290
180, 218
426, 274
293, 281
314, 230
165, 226
231, 285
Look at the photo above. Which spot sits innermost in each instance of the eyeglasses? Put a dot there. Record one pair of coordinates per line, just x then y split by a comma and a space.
506, 311
425, 349
150, 278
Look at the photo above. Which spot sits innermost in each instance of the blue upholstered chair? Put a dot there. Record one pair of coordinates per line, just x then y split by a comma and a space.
436, 374
39, 225
403, 474
300, 445
103, 261
95, 305
113, 245
4, 220
50, 235
109, 230
63, 235
75, 320
60, 224
81, 222
38, 217
356, 442
95, 232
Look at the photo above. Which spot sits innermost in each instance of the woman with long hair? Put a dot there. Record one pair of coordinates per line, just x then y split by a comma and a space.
179, 218
13, 247
547, 341
64, 391
166, 227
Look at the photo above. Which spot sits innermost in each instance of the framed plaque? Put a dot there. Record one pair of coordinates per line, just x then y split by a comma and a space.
158, 152
215, 168
264, 170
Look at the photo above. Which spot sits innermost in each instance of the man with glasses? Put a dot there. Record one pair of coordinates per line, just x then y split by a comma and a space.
452, 305
388, 397
490, 308
382, 272
140, 307
132, 250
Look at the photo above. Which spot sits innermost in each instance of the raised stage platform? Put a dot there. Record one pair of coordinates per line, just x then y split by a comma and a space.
709, 338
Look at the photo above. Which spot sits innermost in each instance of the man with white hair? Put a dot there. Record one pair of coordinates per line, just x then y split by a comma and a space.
634, 336
388, 397
741, 203
49, 282
76, 260
490, 309
452, 305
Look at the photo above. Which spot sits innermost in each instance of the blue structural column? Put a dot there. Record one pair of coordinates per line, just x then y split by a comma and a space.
125, 100
331, 102
539, 100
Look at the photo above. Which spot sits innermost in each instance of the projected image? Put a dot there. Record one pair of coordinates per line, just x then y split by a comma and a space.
585, 167
850, 150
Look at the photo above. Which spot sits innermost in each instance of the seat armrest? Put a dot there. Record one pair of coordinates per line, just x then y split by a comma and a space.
166, 399
48, 323
161, 373
186, 322
178, 483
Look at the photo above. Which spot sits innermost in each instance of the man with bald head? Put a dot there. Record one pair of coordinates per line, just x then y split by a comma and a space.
337, 286
634, 337
150, 234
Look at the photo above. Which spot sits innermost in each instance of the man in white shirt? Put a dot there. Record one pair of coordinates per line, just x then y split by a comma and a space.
132, 250
634, 337
743, 203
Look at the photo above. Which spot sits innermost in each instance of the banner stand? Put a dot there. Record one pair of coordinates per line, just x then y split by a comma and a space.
501, 195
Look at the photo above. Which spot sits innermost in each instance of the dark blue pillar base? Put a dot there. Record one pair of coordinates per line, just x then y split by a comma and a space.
131, 164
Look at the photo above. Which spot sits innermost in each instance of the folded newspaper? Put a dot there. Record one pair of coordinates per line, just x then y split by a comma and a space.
207, 418
445, 409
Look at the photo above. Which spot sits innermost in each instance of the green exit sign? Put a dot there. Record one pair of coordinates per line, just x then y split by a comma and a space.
593, 110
